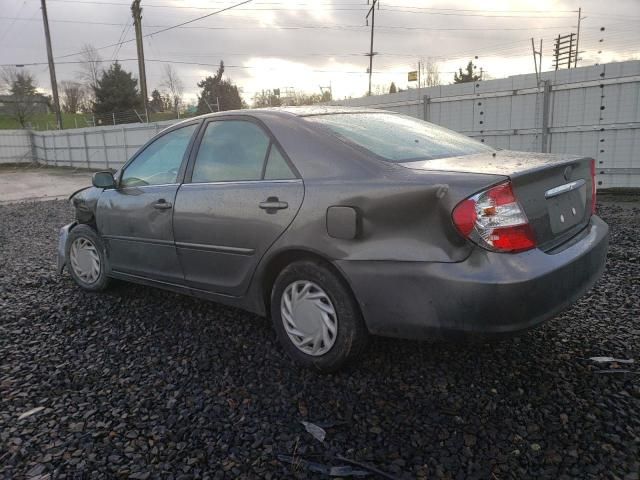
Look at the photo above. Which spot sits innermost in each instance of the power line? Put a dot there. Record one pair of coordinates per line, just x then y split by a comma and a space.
301, 27
166, 29
514, 49
6, 31
314, 4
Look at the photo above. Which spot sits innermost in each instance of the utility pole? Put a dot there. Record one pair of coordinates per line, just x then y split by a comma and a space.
372, 13
327, 90
537, 60
575, 63
563, 51
136, 12
419, 74
52, 67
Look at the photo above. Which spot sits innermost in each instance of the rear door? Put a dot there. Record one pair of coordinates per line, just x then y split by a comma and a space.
135, 219
240, 194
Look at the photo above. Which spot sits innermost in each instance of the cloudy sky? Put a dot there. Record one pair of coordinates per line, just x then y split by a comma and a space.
305, 44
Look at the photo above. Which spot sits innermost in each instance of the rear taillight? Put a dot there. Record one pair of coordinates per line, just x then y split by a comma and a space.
593, 187
494, 220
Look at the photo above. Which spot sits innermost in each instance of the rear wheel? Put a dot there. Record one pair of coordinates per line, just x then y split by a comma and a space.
86, 259
315, 316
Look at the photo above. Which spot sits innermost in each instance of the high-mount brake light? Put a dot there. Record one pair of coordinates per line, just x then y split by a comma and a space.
495, 220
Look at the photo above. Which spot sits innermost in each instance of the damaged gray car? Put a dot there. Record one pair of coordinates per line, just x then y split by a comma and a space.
341, 223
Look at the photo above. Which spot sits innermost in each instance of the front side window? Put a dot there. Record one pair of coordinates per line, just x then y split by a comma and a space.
231, 150
159, 163
398, 138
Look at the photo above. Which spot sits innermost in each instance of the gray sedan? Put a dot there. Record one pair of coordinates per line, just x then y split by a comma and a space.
341, 223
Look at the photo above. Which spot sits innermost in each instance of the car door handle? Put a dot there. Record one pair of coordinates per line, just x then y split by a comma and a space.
272, 203
162, 204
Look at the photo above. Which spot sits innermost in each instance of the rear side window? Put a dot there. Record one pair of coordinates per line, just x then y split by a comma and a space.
398, 138
277, 166
231, 150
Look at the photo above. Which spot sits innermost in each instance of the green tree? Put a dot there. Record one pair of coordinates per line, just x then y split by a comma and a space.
157, 103
25, 100
116, 91
468, 76
392, 88
218, 94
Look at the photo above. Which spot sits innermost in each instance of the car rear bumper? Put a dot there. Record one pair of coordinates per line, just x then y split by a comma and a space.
62, 245
488, 293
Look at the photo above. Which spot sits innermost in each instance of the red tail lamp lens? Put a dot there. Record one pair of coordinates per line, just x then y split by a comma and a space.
494, 220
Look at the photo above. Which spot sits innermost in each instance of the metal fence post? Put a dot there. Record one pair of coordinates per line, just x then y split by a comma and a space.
546, 107
106, 154
55, 148
69, 149
86, 149
44, 147
124, 144
34, 151
426, 108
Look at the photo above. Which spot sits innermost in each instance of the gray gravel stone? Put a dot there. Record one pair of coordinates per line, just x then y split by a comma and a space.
141, 383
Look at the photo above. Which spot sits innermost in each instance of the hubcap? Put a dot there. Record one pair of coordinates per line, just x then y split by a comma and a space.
309, 318
85, 260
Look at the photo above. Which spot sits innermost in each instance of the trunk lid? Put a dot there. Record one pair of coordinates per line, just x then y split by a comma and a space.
554, 190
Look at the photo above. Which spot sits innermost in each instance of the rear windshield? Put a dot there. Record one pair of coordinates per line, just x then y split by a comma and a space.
398, 138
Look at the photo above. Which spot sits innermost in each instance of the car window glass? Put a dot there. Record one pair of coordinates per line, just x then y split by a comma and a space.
277, 167
159, 163
398, 138
231, 150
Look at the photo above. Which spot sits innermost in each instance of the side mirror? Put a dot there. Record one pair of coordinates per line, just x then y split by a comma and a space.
103, 180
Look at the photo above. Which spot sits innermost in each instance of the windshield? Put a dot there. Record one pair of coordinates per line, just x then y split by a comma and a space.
398, 138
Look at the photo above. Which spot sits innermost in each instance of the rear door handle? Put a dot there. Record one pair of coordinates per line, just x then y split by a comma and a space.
162, 204
273, 203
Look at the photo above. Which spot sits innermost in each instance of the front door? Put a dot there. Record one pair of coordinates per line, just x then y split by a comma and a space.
239, 196
135, 219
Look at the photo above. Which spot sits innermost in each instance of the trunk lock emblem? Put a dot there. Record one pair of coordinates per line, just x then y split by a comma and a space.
567, 172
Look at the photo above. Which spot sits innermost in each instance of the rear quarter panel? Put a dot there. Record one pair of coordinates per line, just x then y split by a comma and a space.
402, 217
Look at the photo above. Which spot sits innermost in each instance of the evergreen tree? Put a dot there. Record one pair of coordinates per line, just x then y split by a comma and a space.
392, 88
218, 94
468, 76
116, 91
157, 103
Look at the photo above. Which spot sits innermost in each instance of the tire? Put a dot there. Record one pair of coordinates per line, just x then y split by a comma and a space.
89, 246
313, 291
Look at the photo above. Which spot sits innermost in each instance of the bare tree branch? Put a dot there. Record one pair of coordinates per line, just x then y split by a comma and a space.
431, 73
73, 96
173, 86
91, 66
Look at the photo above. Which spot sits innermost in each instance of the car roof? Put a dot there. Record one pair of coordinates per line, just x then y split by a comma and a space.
302, 111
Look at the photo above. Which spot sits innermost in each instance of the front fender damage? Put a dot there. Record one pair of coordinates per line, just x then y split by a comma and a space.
85, 202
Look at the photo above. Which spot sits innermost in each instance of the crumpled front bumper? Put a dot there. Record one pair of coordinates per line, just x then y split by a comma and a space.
62, 245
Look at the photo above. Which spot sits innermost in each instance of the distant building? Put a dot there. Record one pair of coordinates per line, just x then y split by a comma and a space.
40, 104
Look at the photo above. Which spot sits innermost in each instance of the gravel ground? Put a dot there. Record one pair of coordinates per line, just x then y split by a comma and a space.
140, 383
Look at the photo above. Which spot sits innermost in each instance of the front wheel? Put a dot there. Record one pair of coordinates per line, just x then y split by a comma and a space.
86, 259
316, 318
